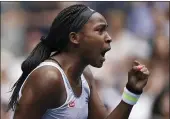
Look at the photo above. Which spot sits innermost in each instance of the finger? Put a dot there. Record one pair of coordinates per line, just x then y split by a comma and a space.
145, 82
142, 75
146, 73
144, 69
138, 68
136, 63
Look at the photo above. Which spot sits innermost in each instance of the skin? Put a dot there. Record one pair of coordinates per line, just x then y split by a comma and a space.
47, 81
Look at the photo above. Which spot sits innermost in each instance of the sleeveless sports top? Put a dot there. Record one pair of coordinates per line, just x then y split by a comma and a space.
74, 107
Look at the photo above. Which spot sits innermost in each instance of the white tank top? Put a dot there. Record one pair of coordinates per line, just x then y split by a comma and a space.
74, 107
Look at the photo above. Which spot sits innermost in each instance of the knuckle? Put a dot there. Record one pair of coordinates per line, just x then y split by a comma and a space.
148, 73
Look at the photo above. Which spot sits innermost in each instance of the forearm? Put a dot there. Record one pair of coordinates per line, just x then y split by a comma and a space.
124, 108
122, 111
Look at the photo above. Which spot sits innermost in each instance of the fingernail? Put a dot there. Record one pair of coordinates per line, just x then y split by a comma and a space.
139, 67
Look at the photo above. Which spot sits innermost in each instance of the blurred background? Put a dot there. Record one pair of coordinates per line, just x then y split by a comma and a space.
140, 30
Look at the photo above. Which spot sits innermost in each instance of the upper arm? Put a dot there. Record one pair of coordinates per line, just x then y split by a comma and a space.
41, 85
97, 109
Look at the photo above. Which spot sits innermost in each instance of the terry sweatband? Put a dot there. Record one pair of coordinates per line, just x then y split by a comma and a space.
129, 97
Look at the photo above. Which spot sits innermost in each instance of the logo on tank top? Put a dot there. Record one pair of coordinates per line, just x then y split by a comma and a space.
71, 104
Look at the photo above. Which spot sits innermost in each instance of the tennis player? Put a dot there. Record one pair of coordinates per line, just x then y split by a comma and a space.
56, 82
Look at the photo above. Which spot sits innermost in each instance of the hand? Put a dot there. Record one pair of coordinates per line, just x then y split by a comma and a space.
137, 78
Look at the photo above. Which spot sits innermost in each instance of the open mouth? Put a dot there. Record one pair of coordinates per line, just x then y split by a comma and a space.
103, 53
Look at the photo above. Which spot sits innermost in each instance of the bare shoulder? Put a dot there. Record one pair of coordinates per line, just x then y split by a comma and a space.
43, 90
45, 78
43, 83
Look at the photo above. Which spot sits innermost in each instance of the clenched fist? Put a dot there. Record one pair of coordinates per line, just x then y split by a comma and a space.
137, 78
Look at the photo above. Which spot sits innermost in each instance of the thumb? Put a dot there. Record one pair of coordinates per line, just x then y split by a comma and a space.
136, 66
136, 63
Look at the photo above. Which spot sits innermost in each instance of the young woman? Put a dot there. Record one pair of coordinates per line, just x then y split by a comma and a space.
56, 82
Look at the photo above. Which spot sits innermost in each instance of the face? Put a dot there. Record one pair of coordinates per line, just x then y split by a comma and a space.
95, 40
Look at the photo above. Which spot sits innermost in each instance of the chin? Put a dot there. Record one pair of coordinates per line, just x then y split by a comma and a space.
97, 65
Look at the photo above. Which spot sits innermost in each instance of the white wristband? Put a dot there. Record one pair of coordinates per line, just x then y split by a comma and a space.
129, 97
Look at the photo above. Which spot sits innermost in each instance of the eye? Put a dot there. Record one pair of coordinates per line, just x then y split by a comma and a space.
101, 30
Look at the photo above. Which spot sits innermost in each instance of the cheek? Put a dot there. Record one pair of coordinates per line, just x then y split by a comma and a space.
92, 44
96, 40
95, 46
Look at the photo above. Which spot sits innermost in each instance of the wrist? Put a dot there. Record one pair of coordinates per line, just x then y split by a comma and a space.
131, 89
129, 97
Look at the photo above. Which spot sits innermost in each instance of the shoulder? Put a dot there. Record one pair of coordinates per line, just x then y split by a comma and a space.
45, 76
42, 90
43, 83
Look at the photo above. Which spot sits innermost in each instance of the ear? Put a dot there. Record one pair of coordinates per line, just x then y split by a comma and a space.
74, 38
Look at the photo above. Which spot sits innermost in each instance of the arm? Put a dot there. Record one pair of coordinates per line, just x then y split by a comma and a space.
122, 111
97, 109
41, 85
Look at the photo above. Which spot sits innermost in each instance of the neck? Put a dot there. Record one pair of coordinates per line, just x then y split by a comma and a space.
72, 65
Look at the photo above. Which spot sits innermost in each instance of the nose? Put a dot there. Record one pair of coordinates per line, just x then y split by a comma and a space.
108, 39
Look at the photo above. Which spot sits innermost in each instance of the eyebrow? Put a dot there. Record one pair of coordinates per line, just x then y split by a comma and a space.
101, 25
